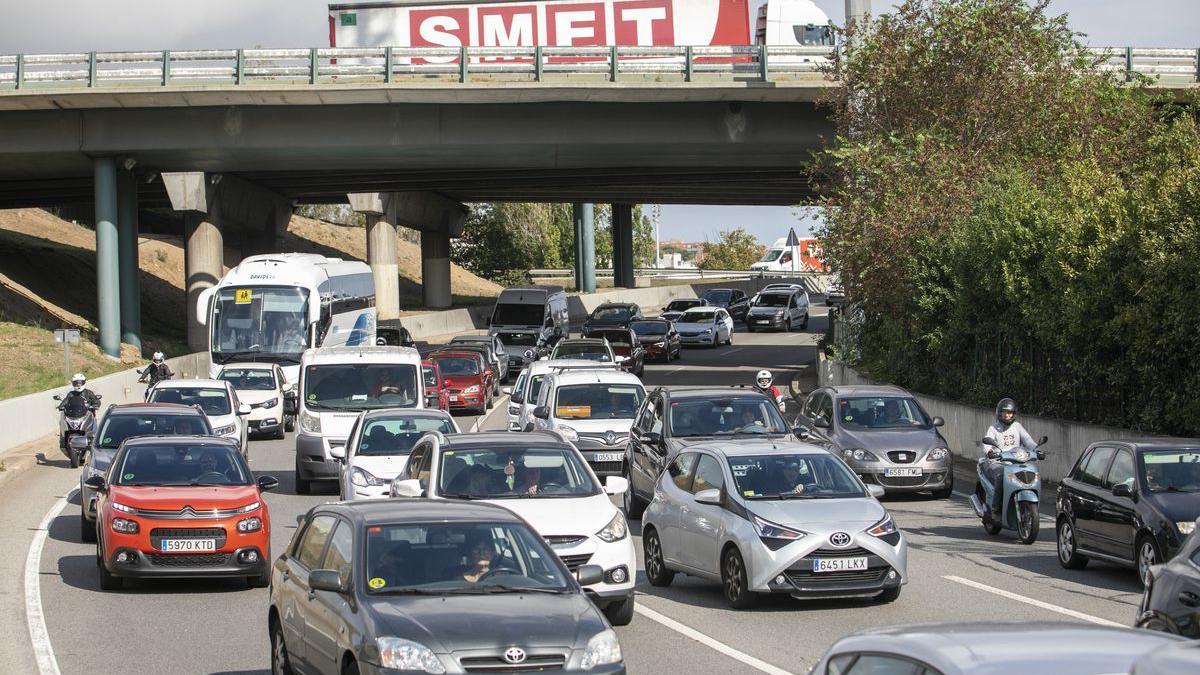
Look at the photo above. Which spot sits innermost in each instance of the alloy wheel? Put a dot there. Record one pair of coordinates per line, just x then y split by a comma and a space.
1066, 541
654, 561
733, 577
1147, 557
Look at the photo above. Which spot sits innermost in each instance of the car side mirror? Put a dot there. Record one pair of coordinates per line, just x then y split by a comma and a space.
517, 397
651, 437
56, 397
326, 580
938, 421
243, 409
541, 412
990, 441
1043, 440
95, 483
266, 483
802, 432
821, 422
1122, 490
410, 487
616, 485
300, 518
446, 383
589, 575
338, 452
507, 391
875, 491
709, 496
528, 426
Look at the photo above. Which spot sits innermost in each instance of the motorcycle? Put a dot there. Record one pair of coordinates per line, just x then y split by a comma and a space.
142, 374
76, 428
1022, 491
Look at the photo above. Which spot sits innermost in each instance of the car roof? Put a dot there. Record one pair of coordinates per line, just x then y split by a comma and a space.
743, 446
502, 439
249, 365
179, 440
1156, 442
615, 304
153, 408
473, 338
394, 413
453, 353
582, 341
869, 390
387, 511
705, 393
612, 376
549, 365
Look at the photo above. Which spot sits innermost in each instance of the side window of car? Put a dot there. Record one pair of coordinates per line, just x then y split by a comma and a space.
1121, 470
681, 471
708, 474
312, 544
809, 409
656, 416
1077, 470
875, 664
644, 419
825, 407
351, 441
1092, 472
340, 556
413, 468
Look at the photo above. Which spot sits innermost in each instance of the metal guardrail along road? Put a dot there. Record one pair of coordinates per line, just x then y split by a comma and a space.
416, 65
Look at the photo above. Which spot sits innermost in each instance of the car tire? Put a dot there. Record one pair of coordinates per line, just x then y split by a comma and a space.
634, 505
946, 492
1067, 546
657, 572
260, 580
281, 663
734, 582
620, 613
350, 668
280, 433
888, 595
108, 582
303, 485
749, 328
87, 529
804, 324
1146, 553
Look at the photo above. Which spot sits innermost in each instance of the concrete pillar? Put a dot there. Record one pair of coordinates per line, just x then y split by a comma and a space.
584, 218
108, 298
435, 269
127, 254
577, 249
622, 233
203, 265
857, 10
381, 256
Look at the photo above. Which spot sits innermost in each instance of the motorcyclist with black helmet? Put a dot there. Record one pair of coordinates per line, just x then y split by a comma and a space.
157, 371
1008, 434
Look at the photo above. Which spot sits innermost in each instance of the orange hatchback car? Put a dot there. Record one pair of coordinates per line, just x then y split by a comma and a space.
180, 507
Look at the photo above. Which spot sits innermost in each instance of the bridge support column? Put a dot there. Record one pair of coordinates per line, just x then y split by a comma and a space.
857, 10
583, 216
203, 267
435, 269
262, 234
108, 299
127, 254
381, 251
622, 243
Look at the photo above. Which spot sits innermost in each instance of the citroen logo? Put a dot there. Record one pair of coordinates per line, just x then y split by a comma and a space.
514, 655
188, 510
839, 539
610, 438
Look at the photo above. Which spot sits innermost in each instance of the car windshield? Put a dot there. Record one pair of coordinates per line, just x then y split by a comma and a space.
518, 314
771, 255
717, 297
1174, 470
809, 476
249, 379
514, 472
882, 412
683, 305
211, 401
460, 558
582, 350
519, 339
396, 435
726, 417
616, 338
360, 386
117, 428
771, 300
698, 316
180, 464
612, 313
598, 401
457, 366
650, 327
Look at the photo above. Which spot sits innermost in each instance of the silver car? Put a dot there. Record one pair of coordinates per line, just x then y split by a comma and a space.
759, 519
883, 434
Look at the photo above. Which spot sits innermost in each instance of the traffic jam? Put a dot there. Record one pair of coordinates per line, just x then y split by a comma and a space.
428, 527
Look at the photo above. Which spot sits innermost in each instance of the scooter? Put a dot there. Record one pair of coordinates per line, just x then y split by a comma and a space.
1022, 491
76, 428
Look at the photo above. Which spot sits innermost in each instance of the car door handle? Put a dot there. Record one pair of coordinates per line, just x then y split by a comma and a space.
1189, 599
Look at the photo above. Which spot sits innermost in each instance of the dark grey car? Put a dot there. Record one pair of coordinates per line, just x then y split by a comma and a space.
1171, 598
883, 433
381, 586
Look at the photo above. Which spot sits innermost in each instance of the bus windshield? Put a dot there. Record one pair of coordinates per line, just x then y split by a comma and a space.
259, 323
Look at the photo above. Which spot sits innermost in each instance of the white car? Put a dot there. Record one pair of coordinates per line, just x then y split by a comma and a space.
709, 326
379, 445
524, 392
216, 398
542, 478
759, 519
593, 409
264, 387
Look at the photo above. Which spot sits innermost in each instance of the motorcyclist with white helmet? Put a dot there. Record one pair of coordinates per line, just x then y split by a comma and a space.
157, 371
1008, 433
763, 383
79, 390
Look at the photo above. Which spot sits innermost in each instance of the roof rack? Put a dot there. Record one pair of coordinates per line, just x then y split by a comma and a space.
598, 366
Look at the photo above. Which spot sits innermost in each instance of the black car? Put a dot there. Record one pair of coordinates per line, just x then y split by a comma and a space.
1130, 502
626, 347
383, 586
1171, 600
676, 308
612, 315
659, 338
669, 421
734, 301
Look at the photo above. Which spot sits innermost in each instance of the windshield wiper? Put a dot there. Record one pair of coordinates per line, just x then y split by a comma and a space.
796, 495
505, 588
1176, 488
463, 495
409, 590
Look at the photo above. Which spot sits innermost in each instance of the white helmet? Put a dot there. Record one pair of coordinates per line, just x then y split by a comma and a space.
157, 358
764, 378
78, 381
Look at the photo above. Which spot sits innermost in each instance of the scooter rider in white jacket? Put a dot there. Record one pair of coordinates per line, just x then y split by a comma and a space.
1008, 434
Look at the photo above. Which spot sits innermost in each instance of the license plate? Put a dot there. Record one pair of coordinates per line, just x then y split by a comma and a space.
839, 564
453, 397
609, 456
762, 321
898, 473
188, 545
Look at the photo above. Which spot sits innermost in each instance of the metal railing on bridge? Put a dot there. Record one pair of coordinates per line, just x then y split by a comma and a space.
417, 65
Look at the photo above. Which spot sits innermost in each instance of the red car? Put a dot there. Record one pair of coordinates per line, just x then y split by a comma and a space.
467, 378
179, 507
436, 396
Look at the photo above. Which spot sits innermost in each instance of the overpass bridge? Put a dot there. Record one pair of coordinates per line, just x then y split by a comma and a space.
233, 139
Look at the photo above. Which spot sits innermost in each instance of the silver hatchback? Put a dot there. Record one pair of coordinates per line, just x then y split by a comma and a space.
883, 434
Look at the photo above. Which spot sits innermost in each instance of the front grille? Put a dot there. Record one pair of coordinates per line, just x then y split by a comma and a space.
565, 539
689, 335
574, 561
901, 481
533, 663
856, 552
809, 578
1026, 476
902, 456
186, 512
606, 468
189, 559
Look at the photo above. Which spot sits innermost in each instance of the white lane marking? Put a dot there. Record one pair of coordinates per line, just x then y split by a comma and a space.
703, 639
502, 404
1036, 603
34, 616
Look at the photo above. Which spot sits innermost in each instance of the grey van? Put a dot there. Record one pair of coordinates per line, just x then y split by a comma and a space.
526, 318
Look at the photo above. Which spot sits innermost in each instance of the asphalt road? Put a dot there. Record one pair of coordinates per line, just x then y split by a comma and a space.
220, 626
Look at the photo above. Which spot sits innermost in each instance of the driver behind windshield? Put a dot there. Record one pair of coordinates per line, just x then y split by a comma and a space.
209, 463
791, 479
479, 557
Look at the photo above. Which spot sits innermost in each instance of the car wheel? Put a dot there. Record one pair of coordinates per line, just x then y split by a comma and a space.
1148, 555
749, 328
87, 529
279, 433
945, 492
108, 582
281, 663
303, 485
734, 581
260, 580
350, 668
1068, 551
888, 595
656, 568
804, 324
620, 613
290, 424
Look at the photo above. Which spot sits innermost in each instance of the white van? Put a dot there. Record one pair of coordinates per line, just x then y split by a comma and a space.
338, 383
593, 409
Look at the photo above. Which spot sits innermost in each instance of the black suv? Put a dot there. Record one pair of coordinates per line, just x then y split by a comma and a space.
669, 421
612, 315
1130, 502
732, 300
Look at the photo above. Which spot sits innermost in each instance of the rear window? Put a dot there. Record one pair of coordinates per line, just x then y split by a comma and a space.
249, 379
717, 296
212, 401
117, 428
398, 435
458, 366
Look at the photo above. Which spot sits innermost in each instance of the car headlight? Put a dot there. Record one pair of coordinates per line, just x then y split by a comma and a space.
768, 530
122, 508
602, 650
227, 429
859, 454
937, 454
473, 389
364, 478
269, 404
249, 508
514, 409
400, 654
707, 331
616, 529
249, 525
1186, 527
310, 422
883, 528
124, 526
89, 471
568, 433
778, 313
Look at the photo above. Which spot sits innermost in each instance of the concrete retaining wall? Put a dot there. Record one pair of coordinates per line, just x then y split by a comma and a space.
27, 418
966, 424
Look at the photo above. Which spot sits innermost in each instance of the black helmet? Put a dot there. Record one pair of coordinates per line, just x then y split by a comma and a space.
1006, 405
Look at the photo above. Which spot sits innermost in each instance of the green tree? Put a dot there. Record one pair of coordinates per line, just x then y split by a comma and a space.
737, 249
